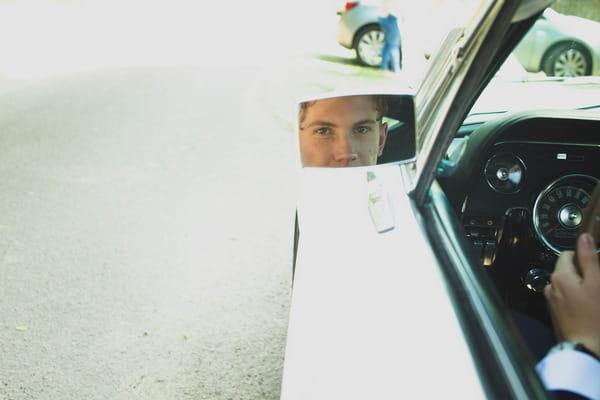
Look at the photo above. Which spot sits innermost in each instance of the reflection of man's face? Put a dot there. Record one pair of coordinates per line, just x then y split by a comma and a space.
341, 132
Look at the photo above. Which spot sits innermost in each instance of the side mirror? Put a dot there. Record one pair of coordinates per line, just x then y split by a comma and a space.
356, 130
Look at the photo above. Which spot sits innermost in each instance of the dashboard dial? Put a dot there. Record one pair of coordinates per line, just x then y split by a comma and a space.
558, 211
504, 173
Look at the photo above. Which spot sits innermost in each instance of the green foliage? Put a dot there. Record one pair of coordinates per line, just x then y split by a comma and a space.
589, 9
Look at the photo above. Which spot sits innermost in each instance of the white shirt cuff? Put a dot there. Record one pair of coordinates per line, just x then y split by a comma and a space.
571, 370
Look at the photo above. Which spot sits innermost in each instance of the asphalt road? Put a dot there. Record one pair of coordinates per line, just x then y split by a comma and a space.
146, 220
146, 214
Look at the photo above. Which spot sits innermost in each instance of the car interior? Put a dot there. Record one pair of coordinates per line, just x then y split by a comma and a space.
519, 190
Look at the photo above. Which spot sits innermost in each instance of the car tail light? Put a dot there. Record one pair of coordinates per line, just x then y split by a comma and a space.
350, 5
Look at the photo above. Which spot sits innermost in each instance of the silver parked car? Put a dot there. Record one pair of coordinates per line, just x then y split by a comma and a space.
561, 45
557, 44
359, 29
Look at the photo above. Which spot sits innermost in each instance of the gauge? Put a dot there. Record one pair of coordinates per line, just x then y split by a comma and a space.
558, 211
504, 172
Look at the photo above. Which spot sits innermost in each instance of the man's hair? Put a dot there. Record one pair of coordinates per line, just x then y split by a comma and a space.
380, 102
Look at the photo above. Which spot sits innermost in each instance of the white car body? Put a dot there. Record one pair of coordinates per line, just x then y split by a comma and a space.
357, 288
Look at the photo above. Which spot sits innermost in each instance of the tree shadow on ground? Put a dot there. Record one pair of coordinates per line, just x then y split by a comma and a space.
338, 59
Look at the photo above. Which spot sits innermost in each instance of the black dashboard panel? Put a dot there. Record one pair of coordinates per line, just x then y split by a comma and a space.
520, 189
542, 163
539, 139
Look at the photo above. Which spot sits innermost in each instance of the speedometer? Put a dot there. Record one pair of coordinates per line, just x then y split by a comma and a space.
559, 208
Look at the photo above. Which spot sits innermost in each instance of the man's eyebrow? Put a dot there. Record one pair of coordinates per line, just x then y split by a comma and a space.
331, 124
365, 121
319, 123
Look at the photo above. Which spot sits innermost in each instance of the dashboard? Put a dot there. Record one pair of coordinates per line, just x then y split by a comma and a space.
520, 188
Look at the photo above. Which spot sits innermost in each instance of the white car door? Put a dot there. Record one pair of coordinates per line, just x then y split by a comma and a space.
370, 317
384, 303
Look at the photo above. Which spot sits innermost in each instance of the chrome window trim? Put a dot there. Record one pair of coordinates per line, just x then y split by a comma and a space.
436, 100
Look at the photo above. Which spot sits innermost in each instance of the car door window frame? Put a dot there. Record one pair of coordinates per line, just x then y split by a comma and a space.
454, 82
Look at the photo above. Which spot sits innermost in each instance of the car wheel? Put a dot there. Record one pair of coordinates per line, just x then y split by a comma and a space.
568, 60
368, 45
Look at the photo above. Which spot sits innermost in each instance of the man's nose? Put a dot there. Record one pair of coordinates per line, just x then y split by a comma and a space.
344, 153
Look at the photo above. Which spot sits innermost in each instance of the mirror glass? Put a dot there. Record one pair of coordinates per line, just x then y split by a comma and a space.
356, 130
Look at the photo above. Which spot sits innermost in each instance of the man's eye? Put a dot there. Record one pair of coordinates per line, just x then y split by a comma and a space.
323, 131
363, 129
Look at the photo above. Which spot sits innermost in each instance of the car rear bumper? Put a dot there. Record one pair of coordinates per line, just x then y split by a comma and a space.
352, 21
345, 34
